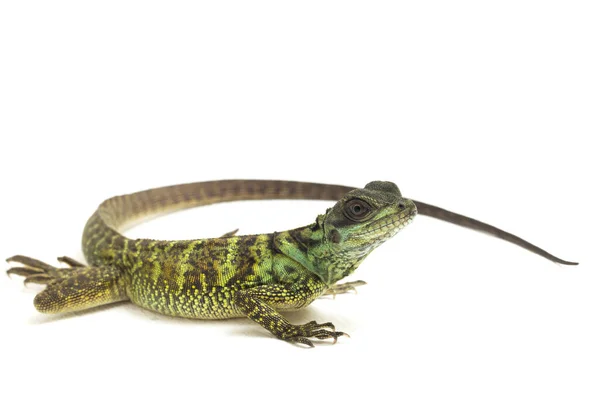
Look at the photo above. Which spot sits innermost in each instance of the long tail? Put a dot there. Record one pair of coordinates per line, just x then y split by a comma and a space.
118, 212
470, 223
101, 234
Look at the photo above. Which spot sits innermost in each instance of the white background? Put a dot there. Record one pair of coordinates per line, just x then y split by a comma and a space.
486, 108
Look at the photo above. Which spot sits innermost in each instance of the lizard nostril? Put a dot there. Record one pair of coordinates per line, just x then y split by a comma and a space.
401, 205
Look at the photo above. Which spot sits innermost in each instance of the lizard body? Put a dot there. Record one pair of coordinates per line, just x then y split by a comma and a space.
256, 276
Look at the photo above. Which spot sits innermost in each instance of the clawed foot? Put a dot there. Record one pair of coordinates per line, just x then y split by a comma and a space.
344, 288
36, 271
303, 333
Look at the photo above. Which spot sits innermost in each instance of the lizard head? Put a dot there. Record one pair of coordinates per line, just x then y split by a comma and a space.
362, 220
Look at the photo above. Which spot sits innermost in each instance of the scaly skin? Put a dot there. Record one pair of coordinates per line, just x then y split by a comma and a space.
256, 276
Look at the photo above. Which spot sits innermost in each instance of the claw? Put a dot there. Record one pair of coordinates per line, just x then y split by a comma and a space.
335, 339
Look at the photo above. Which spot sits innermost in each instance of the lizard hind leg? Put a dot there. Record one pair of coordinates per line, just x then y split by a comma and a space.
71, 289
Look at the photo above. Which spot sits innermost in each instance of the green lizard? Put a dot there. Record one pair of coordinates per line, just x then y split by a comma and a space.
255, 276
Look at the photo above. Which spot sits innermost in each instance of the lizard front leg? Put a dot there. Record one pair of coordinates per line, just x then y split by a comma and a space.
260, 303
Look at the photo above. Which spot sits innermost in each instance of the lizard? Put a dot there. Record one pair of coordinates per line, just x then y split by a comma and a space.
254, 276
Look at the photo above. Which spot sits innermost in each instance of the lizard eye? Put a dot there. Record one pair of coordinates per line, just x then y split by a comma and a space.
357, 210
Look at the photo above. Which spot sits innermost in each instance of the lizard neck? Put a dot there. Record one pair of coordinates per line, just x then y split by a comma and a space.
310, 248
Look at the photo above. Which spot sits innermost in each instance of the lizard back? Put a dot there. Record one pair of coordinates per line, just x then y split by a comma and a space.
102, 240
192, 278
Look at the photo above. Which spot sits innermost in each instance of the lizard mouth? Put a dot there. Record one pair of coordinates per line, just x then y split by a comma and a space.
386, 227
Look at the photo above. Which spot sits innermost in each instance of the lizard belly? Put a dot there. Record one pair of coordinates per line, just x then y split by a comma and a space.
211, 303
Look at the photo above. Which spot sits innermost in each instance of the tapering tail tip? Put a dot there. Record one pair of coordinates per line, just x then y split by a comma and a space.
556, 259
567, 262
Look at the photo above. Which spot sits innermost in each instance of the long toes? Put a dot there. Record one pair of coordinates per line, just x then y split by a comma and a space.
312, 325
41, 279
24, 271
301, 340
328, 334
71, 262
321, 334
302, 334
324, 334
344, 288
31, 262
327, 325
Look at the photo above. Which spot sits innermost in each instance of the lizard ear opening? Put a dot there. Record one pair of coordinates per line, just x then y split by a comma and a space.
335, 236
